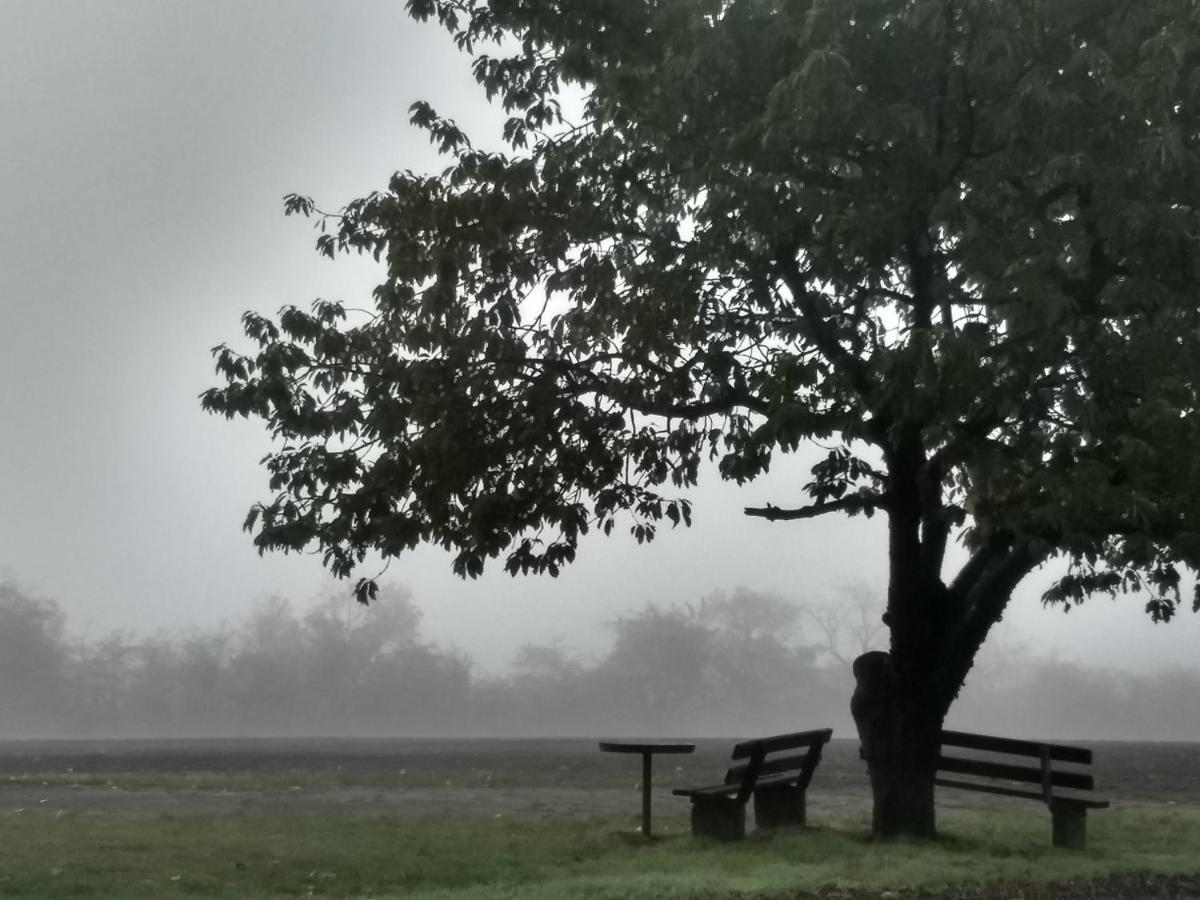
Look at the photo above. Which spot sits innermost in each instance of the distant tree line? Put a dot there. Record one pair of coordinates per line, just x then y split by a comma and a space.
741, 664
337, 668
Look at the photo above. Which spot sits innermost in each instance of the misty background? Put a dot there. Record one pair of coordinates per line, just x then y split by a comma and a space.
729, 664
146, 149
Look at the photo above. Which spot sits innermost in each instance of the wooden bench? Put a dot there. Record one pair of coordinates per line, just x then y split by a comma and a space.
777, 783
1068, 812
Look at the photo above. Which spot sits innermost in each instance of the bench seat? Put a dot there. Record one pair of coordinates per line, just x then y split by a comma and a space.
731, 789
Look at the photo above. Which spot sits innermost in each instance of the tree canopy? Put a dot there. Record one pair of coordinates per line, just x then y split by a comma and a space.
959, 238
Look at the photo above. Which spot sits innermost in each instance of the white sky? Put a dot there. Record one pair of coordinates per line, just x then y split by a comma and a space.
144, 151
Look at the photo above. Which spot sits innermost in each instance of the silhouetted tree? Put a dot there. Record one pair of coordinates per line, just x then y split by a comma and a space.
958, 236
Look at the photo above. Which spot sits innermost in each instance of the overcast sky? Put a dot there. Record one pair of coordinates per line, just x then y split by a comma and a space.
146, 147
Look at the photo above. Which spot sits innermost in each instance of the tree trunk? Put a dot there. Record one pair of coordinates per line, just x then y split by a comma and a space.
899, 729
901, 697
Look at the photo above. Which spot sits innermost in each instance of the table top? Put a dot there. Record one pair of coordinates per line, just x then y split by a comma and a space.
646, 747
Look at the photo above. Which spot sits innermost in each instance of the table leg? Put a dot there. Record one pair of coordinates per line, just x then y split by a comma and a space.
646, 794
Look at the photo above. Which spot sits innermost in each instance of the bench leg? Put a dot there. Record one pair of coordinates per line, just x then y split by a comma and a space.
781, 806
1069, 824
718, 817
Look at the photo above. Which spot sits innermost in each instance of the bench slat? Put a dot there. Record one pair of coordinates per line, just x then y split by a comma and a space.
1059, 752
985, 769
988, 788
1014, 792
783, 742
770, 767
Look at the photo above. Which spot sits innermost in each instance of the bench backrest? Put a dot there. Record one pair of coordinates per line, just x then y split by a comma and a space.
762, 759
1042, 773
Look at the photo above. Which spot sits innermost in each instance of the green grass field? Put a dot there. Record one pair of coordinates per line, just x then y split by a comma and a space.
545, 856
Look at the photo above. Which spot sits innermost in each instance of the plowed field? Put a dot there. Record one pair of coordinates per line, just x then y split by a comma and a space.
417, 777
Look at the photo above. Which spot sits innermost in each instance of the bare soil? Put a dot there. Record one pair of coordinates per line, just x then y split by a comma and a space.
422, 777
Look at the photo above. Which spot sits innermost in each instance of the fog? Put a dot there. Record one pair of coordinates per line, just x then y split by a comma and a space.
730, 664
147, 149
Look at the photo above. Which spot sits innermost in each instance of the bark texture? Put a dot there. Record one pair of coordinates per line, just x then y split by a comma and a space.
899, 731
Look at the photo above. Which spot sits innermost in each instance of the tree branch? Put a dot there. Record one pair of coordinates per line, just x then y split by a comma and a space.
969, 575
628, 393
819, 330
699, 409
860, 501
986, 603
935, 534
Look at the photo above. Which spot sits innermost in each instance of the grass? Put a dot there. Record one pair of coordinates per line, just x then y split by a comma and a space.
539, 857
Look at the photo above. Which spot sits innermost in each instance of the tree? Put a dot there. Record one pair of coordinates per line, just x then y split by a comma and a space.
958, 238
33, 662
657, 671
762, 673
345, 647
850, 626
549, 692
267, 669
